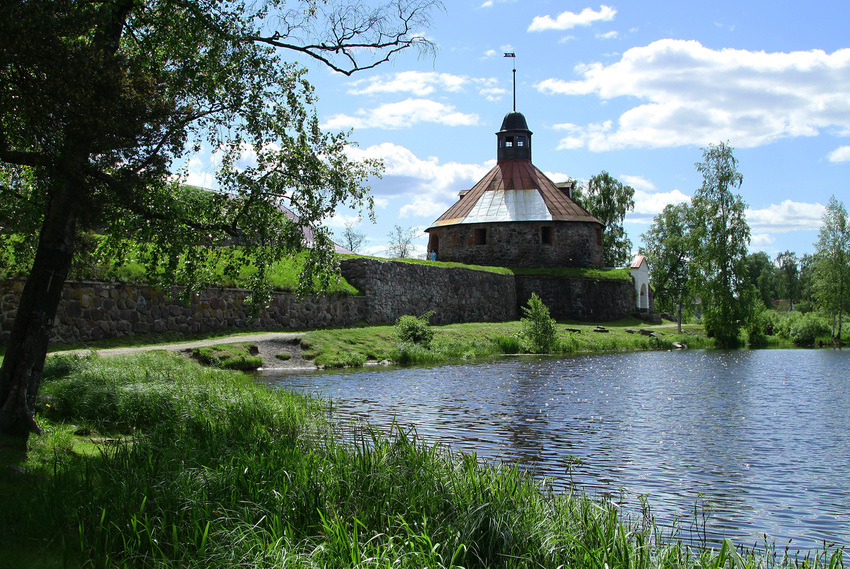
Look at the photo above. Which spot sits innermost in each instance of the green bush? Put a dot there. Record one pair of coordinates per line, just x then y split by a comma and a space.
538, 328
415, 330
508, 344
807, 328
755, 330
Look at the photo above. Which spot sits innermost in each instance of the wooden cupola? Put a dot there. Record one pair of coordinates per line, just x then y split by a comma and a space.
514, 138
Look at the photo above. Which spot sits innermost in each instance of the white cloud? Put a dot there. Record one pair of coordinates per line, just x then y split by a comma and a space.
841, 154
638, 183
696, 95
418, 82
402, 114
612, 35
491, 3
648, 205
786, 216
199, 173
761, 240
428, 186
568, 20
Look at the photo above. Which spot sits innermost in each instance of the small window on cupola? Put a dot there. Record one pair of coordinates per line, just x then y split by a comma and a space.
509, 141
520, 141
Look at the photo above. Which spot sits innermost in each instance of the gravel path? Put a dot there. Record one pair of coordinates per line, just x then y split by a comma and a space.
269, 343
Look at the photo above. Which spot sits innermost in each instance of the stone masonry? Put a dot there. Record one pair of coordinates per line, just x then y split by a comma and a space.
94, 310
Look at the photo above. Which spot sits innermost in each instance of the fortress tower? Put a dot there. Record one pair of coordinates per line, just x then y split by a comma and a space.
515, 216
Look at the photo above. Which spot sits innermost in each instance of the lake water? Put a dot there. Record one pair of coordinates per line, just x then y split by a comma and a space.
762, 437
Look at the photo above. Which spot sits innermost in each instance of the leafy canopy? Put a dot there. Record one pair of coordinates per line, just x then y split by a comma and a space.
111, 97
719, 236
608, 199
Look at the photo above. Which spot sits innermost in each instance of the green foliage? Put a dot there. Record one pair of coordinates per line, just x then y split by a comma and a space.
538, 328
577, 272
498, 270
415, 330
806, 329
755, 328
509, 344
238, 355
831, 277
608, 199
719, 236
666, 247
102, 102
763, 275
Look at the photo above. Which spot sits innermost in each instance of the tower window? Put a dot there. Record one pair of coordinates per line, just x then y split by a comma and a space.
509, 141
480, 236
599, 236
546, 235
520, 141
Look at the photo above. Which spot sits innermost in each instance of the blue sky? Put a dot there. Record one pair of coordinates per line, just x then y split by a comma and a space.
634, 88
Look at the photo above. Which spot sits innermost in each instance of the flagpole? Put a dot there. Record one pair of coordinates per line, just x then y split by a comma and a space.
512, 55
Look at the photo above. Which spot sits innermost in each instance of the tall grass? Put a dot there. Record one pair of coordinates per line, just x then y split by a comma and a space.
220, 472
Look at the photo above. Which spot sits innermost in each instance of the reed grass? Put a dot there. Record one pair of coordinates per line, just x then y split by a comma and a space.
170, 464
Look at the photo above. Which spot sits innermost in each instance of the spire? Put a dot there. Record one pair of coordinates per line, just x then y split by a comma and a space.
514, 138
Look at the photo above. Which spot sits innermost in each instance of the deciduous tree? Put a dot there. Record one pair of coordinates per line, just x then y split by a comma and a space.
608, 199
762, 275
831, 279
400, 245
352, 238
788, 268
100, 100
719, 239
667, 250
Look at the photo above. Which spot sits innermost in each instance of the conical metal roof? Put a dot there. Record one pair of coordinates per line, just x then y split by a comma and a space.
514, 190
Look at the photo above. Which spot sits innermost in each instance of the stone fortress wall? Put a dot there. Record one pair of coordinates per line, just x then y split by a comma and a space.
390, 289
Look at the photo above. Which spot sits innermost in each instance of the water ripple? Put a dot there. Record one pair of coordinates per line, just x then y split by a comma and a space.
760, 438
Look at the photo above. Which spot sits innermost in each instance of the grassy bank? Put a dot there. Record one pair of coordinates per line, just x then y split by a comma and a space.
352, 346
156, 461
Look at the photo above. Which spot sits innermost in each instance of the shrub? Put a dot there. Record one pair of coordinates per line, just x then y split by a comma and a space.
508, 344
415, 330
807, 328
755, 329
538, 328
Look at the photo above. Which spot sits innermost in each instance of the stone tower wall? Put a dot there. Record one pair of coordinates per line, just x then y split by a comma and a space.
519, 244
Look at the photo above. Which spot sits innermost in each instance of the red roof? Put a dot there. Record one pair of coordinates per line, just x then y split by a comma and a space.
516, 175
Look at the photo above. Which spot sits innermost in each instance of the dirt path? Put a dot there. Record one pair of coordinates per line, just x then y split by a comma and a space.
270, 344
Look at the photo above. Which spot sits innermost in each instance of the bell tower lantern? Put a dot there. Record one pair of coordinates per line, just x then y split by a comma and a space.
514, 138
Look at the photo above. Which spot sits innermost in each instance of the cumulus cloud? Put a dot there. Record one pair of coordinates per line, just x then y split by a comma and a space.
761, 240
568, 20
418, 82
422, 83
650, 204
696, 95
612, 35
786, 216
402, 114
841, 154
638, 183
428, 186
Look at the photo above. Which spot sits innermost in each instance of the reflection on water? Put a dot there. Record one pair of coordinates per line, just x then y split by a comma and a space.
761, 437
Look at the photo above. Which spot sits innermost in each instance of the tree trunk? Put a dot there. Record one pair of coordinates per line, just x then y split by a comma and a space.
20, 374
